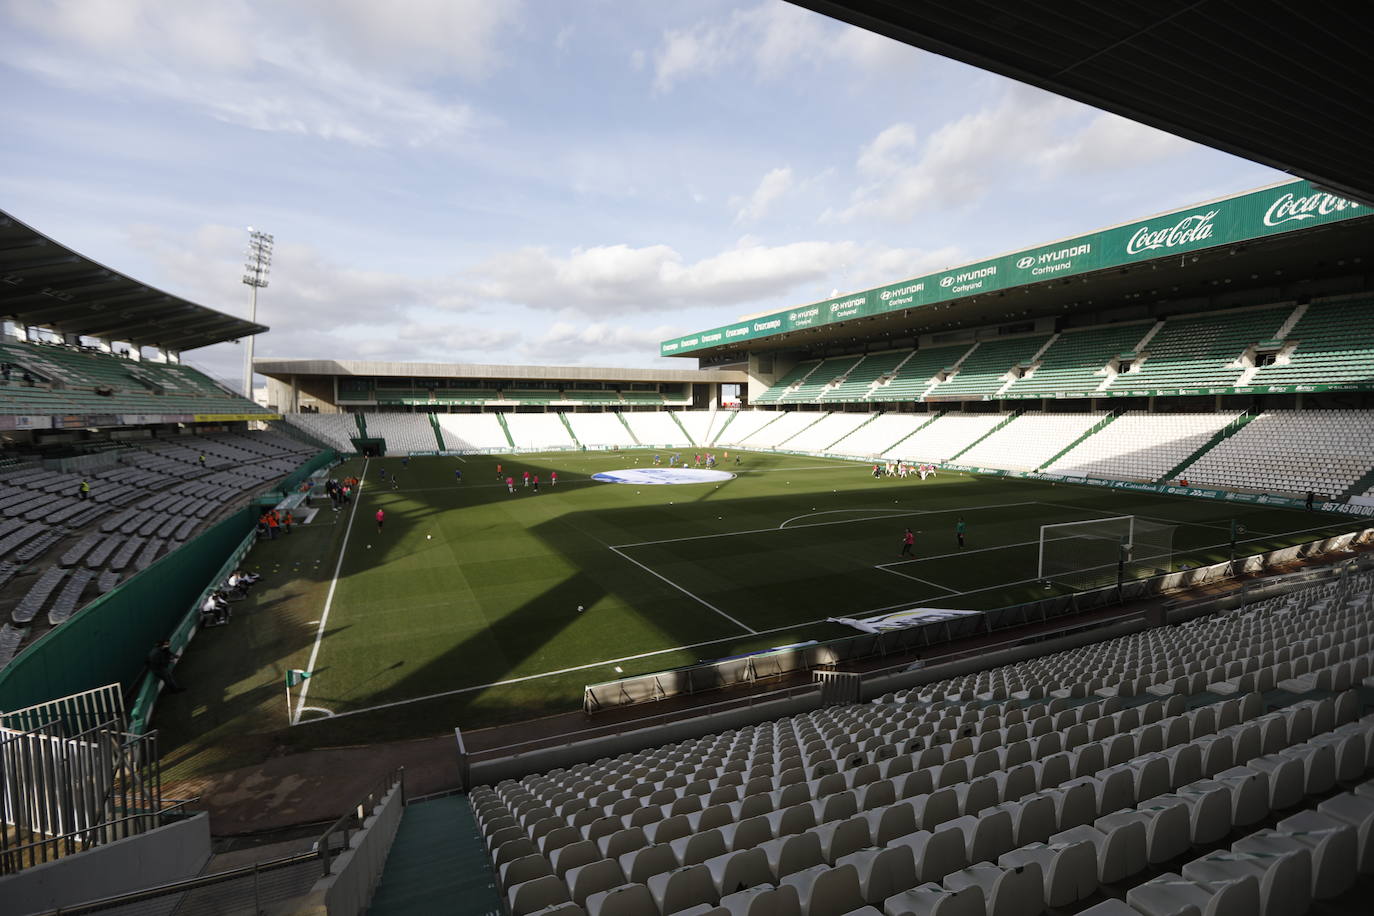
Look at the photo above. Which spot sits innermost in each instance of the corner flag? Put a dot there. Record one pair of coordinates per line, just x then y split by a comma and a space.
295, 675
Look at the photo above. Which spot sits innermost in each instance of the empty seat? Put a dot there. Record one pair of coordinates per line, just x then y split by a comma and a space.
762, 901
936, 853
739, 870
936, 900
593, 878
1014, 891
682, 888
1069, 868
625, 900
1285, 880
827, 891
882, 872
1120, 851
1172, 894
530, 896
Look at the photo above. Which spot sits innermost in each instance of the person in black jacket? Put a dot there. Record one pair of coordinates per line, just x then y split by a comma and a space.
160, 661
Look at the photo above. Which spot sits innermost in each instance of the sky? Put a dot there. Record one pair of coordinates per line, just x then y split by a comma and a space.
539, 181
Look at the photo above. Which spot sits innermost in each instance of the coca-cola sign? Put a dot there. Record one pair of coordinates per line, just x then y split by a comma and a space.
1289, 207
1195, 227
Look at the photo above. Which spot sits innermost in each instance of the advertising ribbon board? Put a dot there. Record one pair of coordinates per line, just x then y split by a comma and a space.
1256, 214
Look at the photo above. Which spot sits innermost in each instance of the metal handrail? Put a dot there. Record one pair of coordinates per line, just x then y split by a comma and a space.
17, 852
353, 819
182, 886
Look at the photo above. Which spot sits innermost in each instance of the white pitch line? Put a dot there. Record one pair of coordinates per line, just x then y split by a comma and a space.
535, 677
329, 599
898, 572
957, 553
847, 521
701, 601
890, 512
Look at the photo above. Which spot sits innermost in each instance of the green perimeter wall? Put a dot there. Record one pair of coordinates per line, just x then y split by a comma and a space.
108, 640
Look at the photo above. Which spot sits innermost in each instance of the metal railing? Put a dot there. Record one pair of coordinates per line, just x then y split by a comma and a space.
61, 793
352, 820
248, 889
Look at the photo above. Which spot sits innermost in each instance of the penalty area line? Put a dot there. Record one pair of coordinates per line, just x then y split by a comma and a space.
701, 601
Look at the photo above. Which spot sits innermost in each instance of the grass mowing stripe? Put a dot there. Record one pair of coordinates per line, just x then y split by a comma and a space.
701, 601
329, 598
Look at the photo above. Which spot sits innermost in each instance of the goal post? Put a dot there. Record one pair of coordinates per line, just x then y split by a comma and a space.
1098, 552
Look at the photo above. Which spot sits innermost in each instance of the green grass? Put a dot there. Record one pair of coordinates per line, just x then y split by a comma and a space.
463, 611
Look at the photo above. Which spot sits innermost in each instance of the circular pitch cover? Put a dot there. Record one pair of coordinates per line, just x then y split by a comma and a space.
661, 476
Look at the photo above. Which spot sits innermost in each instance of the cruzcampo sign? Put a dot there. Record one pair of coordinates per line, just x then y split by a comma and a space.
1256, 214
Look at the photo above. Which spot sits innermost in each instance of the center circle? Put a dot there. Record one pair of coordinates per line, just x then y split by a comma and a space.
651, 477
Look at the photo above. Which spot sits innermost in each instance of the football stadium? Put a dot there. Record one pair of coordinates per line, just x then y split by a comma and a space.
1038, 583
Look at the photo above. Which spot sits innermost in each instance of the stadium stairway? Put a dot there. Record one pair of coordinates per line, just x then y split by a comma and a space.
1227, 432
438, 433
678, 421
1010, 417
1092, 431
438, 864
1359, 487
505, 428
626, 423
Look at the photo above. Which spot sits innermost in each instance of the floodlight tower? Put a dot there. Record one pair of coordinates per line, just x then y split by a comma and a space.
256, 267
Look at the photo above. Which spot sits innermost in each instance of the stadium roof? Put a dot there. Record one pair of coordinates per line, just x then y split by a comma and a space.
1275, 82
1273, 242
285, 368
45, 284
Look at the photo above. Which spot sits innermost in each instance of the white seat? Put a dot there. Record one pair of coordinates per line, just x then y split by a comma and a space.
682, 888
529, 896
1334, 846
1173, 895
882, 872
1015, 891
1357, 811
1285, 880
1120, 851
826, 891
1069, 868
937, 853
593, 878
792, 854
739, 870
625, 900
936, 900
763, 901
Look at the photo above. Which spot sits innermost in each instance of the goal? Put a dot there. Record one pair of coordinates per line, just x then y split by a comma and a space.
1095, 553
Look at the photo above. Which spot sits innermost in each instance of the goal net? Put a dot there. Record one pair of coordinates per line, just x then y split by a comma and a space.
1083, 555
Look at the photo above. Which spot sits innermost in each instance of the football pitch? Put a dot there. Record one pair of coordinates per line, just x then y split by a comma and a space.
474, 606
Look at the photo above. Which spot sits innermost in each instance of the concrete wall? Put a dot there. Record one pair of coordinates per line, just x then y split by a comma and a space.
347, 890
490, 772
171, 853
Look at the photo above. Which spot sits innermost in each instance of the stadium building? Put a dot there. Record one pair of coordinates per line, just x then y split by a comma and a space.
706, 681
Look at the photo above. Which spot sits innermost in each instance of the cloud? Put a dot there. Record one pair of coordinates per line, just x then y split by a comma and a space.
592, 306
772, 186
1027, 132
342, 70
773, 39
656, 278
